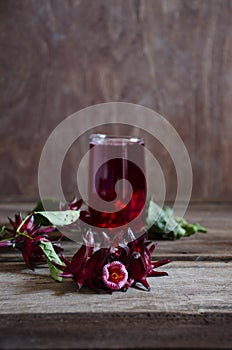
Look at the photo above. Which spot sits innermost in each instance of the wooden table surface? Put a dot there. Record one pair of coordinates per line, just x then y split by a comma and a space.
191, 308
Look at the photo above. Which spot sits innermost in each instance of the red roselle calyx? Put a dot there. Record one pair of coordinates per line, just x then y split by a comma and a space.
26, 236
112, 268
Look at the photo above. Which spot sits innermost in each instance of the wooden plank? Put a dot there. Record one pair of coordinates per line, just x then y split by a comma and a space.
116, 331
215, 245
189, 309
191, 287
211, 246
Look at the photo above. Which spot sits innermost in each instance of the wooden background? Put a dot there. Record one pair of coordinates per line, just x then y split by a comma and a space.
57, 57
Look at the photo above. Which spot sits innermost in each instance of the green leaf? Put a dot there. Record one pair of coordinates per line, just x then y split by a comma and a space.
163, 224
60, 218
191, 229
51, 205
51, 256
41, 220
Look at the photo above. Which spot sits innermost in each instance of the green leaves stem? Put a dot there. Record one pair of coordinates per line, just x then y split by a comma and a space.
163, 224
51, 256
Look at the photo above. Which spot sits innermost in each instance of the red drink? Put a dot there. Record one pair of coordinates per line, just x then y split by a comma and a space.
113, 159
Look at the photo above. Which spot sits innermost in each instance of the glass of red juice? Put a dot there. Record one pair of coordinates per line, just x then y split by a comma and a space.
117, 182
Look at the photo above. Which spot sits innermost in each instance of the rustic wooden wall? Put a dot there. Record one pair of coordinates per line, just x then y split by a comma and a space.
59, 56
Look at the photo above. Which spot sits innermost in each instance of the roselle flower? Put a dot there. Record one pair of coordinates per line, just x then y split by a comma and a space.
141, 265
114, 275
115, 268
85, 267
26, 236
92, 274
75, 267
136, 256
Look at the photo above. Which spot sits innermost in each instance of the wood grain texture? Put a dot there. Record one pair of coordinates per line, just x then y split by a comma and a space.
191, 287
191, 308
216, 245
116, 331
59, 56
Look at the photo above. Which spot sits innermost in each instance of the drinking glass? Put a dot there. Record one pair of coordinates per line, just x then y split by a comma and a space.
117, 182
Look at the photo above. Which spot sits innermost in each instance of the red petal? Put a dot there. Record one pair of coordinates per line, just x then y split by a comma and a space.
145, 284
14, 224
154, 273
18, 219
137, 269
152, 248
81, 256
29, 223
27, 257
93, 269
160, 263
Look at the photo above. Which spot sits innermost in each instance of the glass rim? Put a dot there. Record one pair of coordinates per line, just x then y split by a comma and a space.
99, 138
